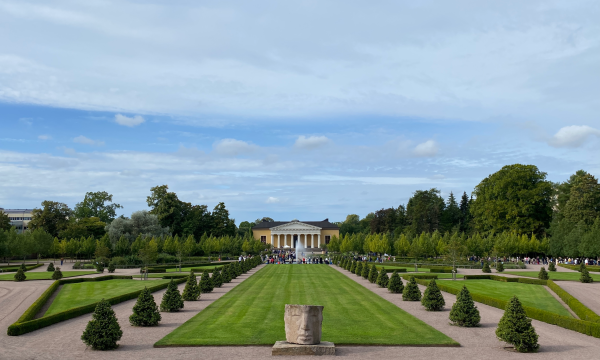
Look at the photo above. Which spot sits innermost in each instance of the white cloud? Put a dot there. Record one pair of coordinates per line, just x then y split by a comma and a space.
129, 121
233, 147
44, 137
427, 149
311, 142
272, 200
87, 141
573, 136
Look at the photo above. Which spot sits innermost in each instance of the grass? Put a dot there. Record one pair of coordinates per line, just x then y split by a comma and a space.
187, 269
80, 294
554, 275
252, 312
44, 275
535, 296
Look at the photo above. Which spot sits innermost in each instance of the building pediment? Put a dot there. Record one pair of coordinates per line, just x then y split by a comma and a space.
294, 226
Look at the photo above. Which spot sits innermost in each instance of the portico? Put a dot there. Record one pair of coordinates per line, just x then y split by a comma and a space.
296, 234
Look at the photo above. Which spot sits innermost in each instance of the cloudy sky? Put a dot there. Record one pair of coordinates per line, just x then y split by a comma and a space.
291, 109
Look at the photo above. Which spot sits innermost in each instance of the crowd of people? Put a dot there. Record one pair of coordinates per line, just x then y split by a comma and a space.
290, 257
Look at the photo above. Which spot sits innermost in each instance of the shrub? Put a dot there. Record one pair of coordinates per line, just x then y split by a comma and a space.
373, 274
191, 292
100, 267
411, 291
111, 267
581, 266
51, 267
353, 267
206, 285
217, 278
486, 268
500, 267
382, 278
145, 311
585, 276
20, 275
543, 275
464, 312
432, 298
23, 267
551, 266
103, 331
359, 268
226, 274
515, 328
57, 274
171, 300
395, 284
77, 265
365, 271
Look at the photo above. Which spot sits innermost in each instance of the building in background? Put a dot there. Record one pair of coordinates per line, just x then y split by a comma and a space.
296, 234
19, 218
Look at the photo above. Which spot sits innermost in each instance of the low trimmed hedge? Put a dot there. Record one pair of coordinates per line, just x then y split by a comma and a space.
12, 268
197, 270
594, 268
419, 276
505, 279
389, 271
176, 276
154, 270
440, 269
27, 323
578, 308
174, 266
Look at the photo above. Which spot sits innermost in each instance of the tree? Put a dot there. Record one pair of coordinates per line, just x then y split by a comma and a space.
382, 278
53, 217
206, 284
424, 211
141, 223
395, 284
500, 267
551, 266
486, 268
411, 291
465, 213
365, 271
584, 201
171, 301
111, 267
97, 204
103, 331
57, 274
85, 227
358, 270
222, 224
191, 292
373, 274
516, 198
433, 300
543, 275
50, 267
585, 276
149, 252
217, 278
464, 312
145, 310
4, 221
20, 275
451, 215
515, 328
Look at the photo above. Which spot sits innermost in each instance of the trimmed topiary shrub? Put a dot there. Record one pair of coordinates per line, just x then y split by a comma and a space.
171, 301
20, 275
515, 328
395, 284
111, 267
353, 267
103, 331
145, 310
551, 266
359, 268
585, 276
23, 267
543, 275
373, 274
432, 298
382, 278
500, 266
50, 267
206, 285
191, 292
464, 312
217, 278
411, 291
100, 267
581, 266
486, 268
57, 274
365, 271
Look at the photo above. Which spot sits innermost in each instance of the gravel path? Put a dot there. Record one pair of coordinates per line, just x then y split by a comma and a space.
588, 294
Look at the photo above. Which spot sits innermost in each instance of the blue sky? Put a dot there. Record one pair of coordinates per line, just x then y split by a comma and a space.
291, 109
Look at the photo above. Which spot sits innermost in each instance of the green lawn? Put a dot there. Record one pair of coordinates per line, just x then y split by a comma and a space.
44, 275
554, 275
535, 296
252, 312
84, 293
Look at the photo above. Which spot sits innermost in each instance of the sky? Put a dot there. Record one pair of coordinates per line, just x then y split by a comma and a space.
293, 109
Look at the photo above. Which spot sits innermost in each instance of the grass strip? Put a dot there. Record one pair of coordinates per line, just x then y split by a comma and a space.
46, 275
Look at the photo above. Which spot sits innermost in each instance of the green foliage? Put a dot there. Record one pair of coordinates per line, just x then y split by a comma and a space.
103, 331
100, 267
551, 266
145, 310
373, 274
20, 275
359, 268
57, 274
543, 275
382, 279
411, 291
424, 211
395, 284
171, 301
585, 276
515, 328
581, 266
217, 279
353, 267
500, 266
464, 312
582, 311
95, 204
365, 271
206, 284
432, 298
50, 267
23, 267
486, 268
52, 218
191, 292
111, 267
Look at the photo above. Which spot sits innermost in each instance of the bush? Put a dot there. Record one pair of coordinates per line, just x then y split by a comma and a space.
171, 301
581, 266
395, 284
359, 269
551, 266
464, 312
191, 292
20, 275
119, 261
206, 284
373, 274
103, 331
543, 275
500, 267
77, 265
23, 267
217, 278
515, 328
382, 279
111, 267
365, 271
353, 267
411, 291
100, 267
432, 298
51, 267
585, 276
145, 311
57, 274
486, 268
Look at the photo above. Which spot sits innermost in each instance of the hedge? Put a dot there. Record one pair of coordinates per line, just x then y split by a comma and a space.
27, 323
505, 279
175, 266
595, 268
154, 270
419, 276
176, 276
390, 270
440, 269
12, 268
578, 308
200, 270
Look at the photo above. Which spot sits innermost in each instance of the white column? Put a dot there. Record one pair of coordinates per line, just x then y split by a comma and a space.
318, 241
272, 240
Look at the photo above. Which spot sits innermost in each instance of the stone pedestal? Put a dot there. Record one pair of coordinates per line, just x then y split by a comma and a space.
289, 349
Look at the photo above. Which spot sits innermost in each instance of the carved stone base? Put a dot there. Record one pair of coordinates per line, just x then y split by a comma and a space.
286, 348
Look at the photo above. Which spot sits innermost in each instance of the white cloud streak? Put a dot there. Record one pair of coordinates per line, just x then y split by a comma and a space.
129, 121
311, 142
427, 149
87, 141
573, 136
233, 147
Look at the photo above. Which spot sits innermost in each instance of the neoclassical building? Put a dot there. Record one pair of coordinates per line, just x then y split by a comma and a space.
293, 234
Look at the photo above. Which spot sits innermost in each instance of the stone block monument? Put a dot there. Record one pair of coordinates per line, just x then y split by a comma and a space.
303, 332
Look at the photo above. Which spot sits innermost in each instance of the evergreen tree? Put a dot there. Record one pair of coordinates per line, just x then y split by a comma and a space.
353, 267
585, 276
57, 274
395, 284
103, 331
111, 267
206, 285
191, 292
500, 267
486, 268
464, 312
359, 268
515, 328
23, 267
217, 278
382, 278
373, 274
171, 301
432, 297
50, 267
465, 215
100, 267
20, 275
411, 291
543, 275
226, 274
145, 310
551, 266
365, 271
581, 266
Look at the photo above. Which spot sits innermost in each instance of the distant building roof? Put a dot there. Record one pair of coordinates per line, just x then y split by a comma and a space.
325, 224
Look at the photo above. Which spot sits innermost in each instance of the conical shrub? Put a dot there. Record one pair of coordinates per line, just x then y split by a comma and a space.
20, 275
585, 276
206, 285
395, 284
111, 267
103, 331
382, 278
23, 267
486, 268
217, 278
543, 275
57, 274
100, 267
515, 328
551, 266
581, 266
359, 268
365, 271
191, 292
50, 267
145, 310
171, 300
411, 291
373, 274
500, 266
433, 300
353, 267
464, 312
